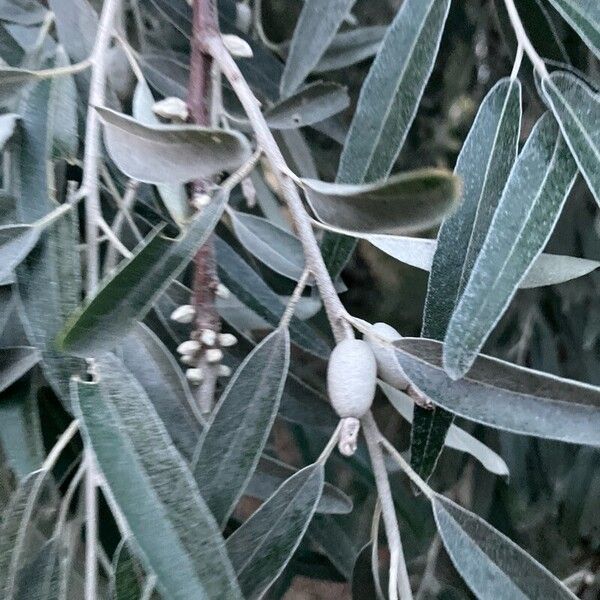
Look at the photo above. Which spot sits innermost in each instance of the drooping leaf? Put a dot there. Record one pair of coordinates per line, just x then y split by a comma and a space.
174, 196
154, 367
170, 153
16, 241
275, 247
274, 531
483, 165
455, 438
577, 110
584, 17
15, 362
405, 203
387, 105
8, 122
493, 566
128, 295
172, 527
230, 448
250, 289
316, 28
531, 203
505, 396
351, 47
270, 473
49, 290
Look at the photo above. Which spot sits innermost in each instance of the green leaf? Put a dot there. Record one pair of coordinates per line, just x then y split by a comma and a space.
392, 91
279, 250
270, 473
311, 104
577, 110
252, 291
351, 47
16, 241
8, 122
484, 165
170, 153
531, 203
49, 290
505, 396
404, 203
15, 362
261, 548
455, 437
38, 578
12, 81
584, 17
172, 527
174, 196
493, 566
127, 580
230, 448
76, 25
154, 367
128, 295
316, 28
23, 12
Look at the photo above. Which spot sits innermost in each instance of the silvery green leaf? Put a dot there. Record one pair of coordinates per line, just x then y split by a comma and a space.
274, 531
76, 25
316, 28
170, 153
584, 17
279, 250
577, 110
404, 203
174, 532
16, 242
12, 81
268, 203
8, 122
98, 325
230, 447
531, 203
15, 362
49, 290
126, 573
392, 91
149, 361
173, 195
456, 438
351, 47
23, 12
38, 577
483, 165
311, 104
270, 473
505, 396
493, 566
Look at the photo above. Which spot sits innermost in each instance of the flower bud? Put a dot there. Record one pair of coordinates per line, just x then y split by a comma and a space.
183, 314
189, 347
214, 355
227, 339
194, 376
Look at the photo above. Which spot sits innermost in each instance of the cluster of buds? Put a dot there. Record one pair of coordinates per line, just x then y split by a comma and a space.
205, 347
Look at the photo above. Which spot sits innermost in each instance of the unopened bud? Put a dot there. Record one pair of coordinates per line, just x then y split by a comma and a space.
222, 291
188, 359
194, 375
173, 109
213, 355
227, 339
237, 46
208, 337
188, 347
199, 201
183, 314
243, 17
224, 371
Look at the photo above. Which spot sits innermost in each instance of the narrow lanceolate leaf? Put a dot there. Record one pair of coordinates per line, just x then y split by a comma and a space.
584, 17
173, 196
15, 362
273, 246
274, 531
170, 153
316, 28
505, 396
12, 81
392, 91
49, 290
8, 122
174, 532
150, 362
577, 110
63, 111
16, 241
230, 448
405, 203
387, 105
531, 203
484, 165
493, 566
313, 103
128, 295
127, 578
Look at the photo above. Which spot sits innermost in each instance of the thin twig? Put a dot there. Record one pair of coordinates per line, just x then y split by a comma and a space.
91, 154
113, 239
91, 526
295, 298
330, 445
375, 550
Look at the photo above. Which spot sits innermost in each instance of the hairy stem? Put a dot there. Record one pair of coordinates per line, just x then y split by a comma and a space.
91, 526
